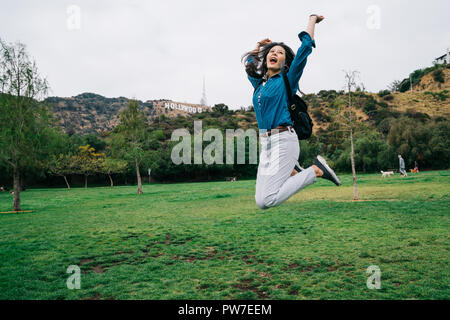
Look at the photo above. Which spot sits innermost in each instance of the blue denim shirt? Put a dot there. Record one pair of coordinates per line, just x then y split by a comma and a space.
270, 99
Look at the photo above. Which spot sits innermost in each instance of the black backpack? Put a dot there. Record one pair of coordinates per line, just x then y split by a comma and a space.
299, 113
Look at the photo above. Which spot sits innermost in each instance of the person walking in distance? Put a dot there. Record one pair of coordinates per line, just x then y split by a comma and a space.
279, 174
402, 165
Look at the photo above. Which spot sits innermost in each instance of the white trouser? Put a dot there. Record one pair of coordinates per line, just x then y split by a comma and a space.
278, 156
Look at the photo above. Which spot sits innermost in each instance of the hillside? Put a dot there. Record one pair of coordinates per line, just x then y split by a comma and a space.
92, 113
89, 112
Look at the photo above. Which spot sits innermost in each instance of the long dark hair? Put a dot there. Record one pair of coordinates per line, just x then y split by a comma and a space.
258, 67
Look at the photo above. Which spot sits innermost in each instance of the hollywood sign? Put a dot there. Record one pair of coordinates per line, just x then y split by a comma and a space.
182, 107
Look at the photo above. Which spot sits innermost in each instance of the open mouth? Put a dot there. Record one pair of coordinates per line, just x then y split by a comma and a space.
273, 60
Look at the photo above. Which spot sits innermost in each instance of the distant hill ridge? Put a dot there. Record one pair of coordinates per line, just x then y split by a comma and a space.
90, 112
93, 113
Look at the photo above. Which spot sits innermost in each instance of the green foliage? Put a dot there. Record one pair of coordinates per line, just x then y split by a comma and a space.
327, 95
426, 142
87, 162
438, 75
320, 115
25, 123
130, 137
62, 165
417, 76
383, 93
372, 154
369, 107
439, 96
112, 166
221, 109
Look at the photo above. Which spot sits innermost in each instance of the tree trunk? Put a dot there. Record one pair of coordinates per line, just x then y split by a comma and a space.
85, 181
352, 159
67, 183
111, 180
138, 175
16, 177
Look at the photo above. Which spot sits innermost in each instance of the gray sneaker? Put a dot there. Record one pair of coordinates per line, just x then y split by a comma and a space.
328, 173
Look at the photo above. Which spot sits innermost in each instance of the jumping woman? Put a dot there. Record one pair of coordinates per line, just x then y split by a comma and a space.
279, 174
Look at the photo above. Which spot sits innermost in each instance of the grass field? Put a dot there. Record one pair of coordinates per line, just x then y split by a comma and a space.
210, 241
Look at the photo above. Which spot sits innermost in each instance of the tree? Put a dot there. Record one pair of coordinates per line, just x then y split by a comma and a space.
130, 137
24, 122
394, 86
428, 143
220, 108
111, 166
62, 166
87, 162
347, 119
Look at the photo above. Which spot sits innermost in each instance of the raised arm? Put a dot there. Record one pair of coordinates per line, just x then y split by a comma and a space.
313, 19
307, 38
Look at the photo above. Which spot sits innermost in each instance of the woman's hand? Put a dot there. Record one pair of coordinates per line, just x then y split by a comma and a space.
264, 42
261, 44
313, 19
317, 17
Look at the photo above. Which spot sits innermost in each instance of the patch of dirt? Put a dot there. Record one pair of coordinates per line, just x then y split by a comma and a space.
331, 268
204, 286
293, 292
302, 269
167, 239
98, 268
250, 259
282, 286
85, 261
246, 285
96, 297
265, 275
310, 268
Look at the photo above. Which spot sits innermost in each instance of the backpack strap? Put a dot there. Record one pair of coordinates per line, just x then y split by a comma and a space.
288, 89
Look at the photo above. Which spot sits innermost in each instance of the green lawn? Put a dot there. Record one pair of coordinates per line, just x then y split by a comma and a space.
210, 241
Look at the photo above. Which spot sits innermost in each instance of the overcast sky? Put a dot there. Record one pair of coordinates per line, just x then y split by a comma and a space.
163, 49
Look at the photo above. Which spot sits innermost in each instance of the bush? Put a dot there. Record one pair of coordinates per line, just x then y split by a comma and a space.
369, 107
438, 76
383, 93
440, 96
426, 142
321, 116
372, 154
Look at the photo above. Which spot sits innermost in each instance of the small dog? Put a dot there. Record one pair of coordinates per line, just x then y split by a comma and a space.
387, 173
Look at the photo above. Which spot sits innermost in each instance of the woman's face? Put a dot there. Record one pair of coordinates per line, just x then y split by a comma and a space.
276, 58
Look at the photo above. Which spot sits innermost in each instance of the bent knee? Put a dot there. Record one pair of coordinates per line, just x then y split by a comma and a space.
264, 202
